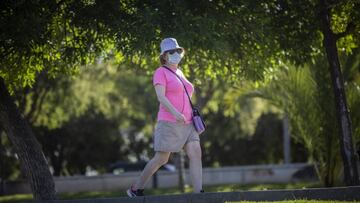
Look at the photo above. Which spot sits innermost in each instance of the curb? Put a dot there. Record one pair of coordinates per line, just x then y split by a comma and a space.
338, 193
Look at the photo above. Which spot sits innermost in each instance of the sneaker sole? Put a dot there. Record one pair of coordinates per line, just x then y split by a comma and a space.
130, 194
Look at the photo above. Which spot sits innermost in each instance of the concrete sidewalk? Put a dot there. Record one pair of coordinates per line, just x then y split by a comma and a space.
339, 193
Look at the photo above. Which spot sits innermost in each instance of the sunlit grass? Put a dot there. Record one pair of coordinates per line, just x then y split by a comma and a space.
16, 198
162, 191
300, 201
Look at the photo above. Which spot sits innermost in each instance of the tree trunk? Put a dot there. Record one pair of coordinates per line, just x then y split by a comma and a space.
351, 176
27, 147
286, 139
2, 156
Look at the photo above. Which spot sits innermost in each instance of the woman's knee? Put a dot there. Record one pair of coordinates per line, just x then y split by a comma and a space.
161, 158
193, 151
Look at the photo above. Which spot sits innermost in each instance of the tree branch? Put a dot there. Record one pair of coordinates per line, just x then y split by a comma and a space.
40, 104
333, 3
349, 28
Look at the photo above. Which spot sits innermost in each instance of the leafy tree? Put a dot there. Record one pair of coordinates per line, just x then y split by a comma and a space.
36, 36
59, 36
305, 94
284, 32
56, 36
88, 141
336, 23
105, 95
297, 90
241, 129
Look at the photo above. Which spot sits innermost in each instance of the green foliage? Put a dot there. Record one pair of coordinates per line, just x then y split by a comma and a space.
9, 163
306, 96
222, 38
241, 130
48, 35
61, 36
102, 108
113, 110
226, 144
225, 41
312, 122
352, 78
88, 141
107, 107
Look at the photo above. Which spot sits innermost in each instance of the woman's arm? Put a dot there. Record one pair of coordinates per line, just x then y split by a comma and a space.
160, 92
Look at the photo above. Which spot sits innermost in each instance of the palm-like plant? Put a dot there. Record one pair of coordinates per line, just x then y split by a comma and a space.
305, 94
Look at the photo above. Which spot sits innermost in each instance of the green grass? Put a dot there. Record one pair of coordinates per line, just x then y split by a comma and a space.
217, 188
300, 201
16, 198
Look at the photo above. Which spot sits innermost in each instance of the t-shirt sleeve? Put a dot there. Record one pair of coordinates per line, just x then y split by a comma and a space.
159, 77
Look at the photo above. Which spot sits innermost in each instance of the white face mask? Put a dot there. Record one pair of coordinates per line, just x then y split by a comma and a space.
175, 58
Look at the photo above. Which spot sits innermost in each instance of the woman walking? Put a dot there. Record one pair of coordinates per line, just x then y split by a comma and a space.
174, 129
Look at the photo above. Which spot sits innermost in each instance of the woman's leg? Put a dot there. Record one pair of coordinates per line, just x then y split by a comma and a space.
193, 151
151, 167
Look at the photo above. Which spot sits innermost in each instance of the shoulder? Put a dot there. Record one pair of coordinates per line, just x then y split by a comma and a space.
160, 69
160, 76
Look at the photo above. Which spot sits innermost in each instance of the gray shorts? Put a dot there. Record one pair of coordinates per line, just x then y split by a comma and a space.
172, 137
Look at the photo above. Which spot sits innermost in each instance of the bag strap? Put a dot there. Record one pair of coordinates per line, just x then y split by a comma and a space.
192, 106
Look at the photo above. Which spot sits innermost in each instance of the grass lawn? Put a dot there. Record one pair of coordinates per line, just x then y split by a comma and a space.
300, 201
217, 188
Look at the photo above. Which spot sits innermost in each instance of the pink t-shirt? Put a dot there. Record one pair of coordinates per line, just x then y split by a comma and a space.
175, 93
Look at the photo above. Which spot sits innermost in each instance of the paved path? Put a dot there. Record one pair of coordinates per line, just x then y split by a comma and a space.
340, 193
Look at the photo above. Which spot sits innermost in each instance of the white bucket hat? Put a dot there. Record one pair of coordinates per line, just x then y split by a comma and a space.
169, 44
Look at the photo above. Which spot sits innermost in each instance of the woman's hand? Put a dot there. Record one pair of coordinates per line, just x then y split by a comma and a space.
180, 117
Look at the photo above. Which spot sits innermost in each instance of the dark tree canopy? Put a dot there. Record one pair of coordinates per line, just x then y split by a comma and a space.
226, 38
